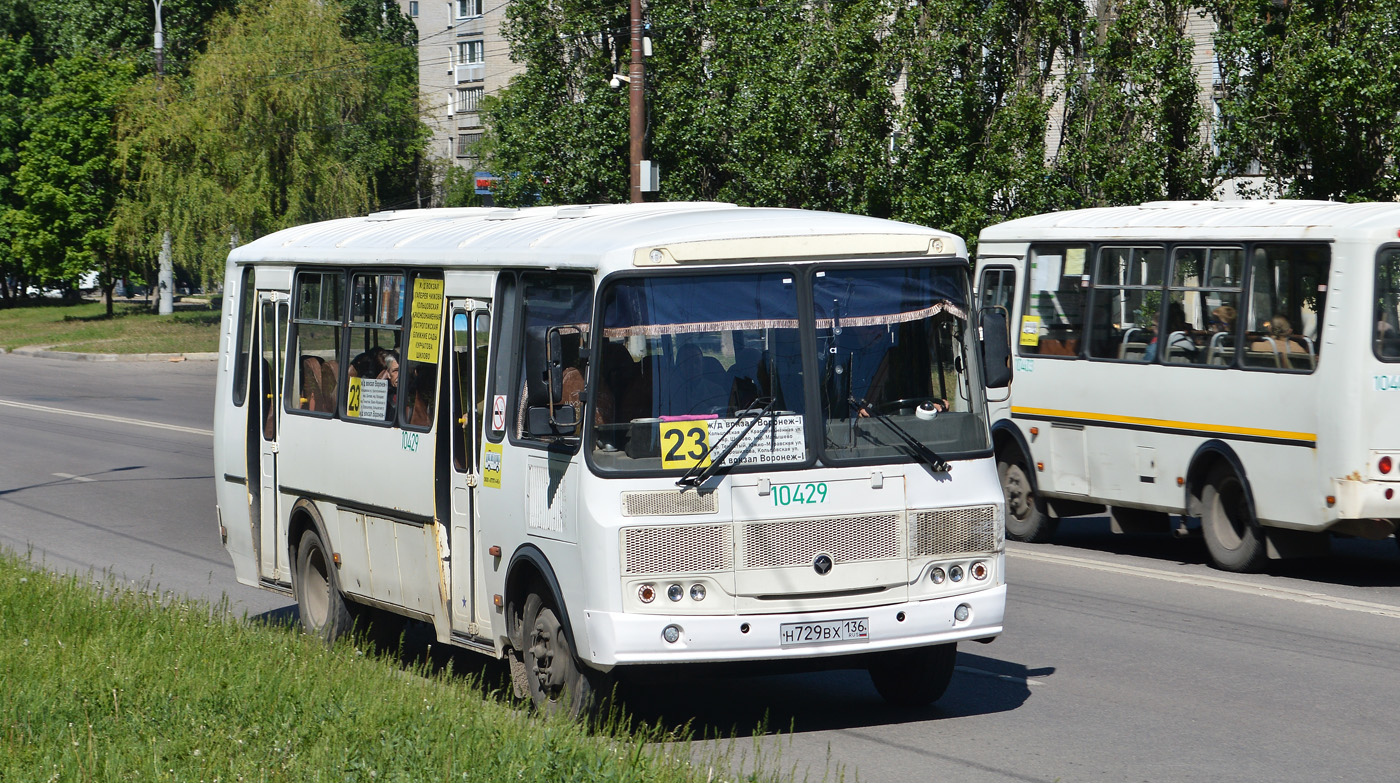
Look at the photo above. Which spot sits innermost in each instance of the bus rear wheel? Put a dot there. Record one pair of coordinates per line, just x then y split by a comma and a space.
1026, 517
914, 678
555, 679
321, 606
1232, 534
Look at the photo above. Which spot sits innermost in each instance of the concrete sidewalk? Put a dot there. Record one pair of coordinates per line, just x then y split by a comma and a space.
43, 352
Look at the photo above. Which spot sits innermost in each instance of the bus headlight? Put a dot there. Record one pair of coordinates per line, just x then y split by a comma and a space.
671, 633
937, 576
675, 592
697, 592
955, 573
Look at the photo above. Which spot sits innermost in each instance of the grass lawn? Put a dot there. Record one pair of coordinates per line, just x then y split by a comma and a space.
85, 328
98, 683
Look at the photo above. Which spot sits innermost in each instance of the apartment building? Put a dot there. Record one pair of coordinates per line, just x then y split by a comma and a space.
461, 59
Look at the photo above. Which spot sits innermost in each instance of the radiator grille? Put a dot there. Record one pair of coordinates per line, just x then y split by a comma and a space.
948, 531
672, 549
799, 541
663, 503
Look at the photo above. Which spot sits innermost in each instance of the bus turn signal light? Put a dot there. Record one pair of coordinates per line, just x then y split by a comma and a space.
494, 551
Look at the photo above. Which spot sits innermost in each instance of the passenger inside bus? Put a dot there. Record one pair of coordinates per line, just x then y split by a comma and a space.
1180, 346
696, 384
1276, 336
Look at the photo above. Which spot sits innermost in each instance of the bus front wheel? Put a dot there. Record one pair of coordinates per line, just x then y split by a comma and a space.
1026, 516
322, 608
555, 679
913, 678
1231, 532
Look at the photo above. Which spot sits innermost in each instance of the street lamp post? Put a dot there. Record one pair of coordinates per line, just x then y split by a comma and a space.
636, 106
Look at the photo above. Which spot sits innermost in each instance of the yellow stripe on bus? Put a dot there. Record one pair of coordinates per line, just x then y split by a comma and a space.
1167, 424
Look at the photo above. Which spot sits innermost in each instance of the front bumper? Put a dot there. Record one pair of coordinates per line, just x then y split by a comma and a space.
617, 638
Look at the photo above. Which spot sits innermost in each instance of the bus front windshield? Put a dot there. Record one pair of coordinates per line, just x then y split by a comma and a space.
695, 368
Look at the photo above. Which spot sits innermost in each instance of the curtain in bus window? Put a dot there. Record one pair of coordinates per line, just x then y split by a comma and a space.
1387, 329
1052, 316
1126, 303
1203, 305
1287, 296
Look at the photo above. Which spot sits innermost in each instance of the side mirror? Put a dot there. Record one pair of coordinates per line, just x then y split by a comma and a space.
996, 347
554, 365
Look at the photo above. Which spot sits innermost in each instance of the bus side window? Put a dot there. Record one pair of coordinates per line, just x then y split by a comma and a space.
245, 337
1287, 297
1052, 316
560, 303
423, 347
1203, 301
1387, 328
1127, 300
312, 366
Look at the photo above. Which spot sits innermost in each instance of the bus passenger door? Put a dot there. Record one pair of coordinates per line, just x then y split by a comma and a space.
471, 331
272, 559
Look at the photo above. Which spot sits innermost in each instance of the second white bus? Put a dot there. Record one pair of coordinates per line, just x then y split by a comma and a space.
1236, 362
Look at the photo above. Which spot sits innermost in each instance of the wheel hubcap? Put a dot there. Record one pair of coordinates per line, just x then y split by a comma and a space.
543, 653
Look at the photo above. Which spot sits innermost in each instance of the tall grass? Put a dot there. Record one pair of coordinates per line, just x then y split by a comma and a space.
101, 683
133, 328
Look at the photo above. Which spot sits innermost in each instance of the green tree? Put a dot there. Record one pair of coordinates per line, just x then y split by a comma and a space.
1310, 96
282, 121
67, 28
19, 98
1132, 117
66, 178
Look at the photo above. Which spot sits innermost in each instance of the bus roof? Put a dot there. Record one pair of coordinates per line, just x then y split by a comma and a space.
1206, 220
600, 236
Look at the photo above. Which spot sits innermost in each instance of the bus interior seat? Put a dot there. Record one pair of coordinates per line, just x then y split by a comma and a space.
1134, 351
1050, 346
1220, 350
309, 397
330, 381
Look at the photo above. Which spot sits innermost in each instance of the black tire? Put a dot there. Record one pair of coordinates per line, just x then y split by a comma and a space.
1026, 517
1232, 534
323, 610
914, 678
554, 678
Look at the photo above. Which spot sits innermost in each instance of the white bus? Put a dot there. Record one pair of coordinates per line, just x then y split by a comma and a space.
615, 436
1236, 362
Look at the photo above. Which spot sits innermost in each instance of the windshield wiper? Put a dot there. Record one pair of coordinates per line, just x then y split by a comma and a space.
697, 475
920, 451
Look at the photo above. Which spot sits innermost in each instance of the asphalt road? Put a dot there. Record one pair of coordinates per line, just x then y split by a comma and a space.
1125, 658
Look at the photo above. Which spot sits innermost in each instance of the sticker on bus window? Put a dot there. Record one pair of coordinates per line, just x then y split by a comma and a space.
1030, 330
1074, 261
425, 318
498, 413
491, 466
685, 444
352, 400
374, 398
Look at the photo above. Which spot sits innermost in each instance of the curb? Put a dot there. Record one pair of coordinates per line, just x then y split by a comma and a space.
43, 352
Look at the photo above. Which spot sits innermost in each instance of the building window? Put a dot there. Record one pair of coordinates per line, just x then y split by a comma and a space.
413, 8
467, 8
471, 52
466, 144
468, 98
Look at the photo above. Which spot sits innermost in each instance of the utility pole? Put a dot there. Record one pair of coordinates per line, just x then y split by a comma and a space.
165, 277
636, 102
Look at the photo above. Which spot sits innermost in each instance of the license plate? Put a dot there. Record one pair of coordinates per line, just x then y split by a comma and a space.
856, 629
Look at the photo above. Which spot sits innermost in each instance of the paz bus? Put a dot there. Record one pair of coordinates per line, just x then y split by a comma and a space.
591, 438
1234, 362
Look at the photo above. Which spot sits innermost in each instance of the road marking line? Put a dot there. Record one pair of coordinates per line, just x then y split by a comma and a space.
72, 477
103, 417
1007, 677
1218, 582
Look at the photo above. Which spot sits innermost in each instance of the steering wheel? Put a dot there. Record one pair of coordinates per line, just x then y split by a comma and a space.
895, 406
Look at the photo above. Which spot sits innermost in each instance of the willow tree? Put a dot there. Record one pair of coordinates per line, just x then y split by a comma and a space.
281, 121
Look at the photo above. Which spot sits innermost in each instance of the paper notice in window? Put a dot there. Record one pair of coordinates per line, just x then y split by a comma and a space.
1030, 330
1045, 273
374, 398
425, 318
1074, 261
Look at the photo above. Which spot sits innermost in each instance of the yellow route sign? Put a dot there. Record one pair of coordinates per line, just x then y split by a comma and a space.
425, 320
